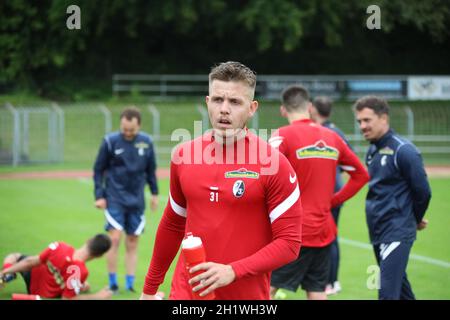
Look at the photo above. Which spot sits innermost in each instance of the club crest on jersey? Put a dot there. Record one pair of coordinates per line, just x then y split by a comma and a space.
238, 188
242, 173
318, 150
386, 150
141, 146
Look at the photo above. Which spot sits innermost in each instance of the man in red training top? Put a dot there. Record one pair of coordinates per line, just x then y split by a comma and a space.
236, 193
314, 152
59, 270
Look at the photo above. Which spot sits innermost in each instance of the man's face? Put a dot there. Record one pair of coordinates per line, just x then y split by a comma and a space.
230, 105
372, 126
129, 128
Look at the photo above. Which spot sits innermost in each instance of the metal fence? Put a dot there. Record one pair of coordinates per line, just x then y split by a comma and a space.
268, 86
31, 134
72, 133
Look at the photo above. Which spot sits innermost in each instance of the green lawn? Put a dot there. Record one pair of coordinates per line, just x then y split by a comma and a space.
34, 213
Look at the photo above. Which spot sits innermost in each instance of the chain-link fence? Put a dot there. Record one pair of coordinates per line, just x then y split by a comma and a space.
72, 133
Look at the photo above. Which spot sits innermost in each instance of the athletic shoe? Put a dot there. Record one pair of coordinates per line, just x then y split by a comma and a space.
280, 295
329, 290
114, 288
131, 289
8, 277
337, 287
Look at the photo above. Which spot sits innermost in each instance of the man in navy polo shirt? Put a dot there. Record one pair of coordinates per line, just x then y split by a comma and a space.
399, 194
125, 163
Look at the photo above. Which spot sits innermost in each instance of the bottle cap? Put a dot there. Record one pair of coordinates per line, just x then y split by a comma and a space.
190, 241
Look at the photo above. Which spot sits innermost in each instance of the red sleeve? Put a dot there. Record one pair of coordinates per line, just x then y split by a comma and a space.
169, 235
359, 176
285, 212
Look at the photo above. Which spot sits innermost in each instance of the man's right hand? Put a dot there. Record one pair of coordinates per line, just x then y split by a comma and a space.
100, 203
158, 296
422, 224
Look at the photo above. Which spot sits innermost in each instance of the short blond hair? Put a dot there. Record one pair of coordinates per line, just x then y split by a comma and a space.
233, 71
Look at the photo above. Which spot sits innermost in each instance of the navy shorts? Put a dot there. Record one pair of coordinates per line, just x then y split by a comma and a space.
310, 270
120, 218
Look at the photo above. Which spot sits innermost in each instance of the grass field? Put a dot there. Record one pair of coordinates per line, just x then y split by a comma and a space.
34, 213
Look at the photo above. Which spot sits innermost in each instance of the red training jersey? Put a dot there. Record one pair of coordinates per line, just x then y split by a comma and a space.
314, 151
58, 275
243, 201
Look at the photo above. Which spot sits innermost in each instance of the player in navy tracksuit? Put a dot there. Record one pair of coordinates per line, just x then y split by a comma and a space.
125, 163
320, 113
398, 196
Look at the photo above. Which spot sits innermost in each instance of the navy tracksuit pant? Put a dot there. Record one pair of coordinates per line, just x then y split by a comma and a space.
393, 259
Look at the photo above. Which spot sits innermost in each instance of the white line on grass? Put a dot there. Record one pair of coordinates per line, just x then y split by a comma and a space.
417, 257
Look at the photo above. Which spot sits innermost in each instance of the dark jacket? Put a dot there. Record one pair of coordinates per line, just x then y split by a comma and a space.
399, 192
122, 168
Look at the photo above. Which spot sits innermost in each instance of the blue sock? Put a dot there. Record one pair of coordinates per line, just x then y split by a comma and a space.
112, 279
129, 281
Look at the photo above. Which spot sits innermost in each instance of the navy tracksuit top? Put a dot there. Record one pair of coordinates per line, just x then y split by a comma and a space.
123, 167
399, 192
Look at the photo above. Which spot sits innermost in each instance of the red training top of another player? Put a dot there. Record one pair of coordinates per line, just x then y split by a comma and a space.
58, 274
314, 151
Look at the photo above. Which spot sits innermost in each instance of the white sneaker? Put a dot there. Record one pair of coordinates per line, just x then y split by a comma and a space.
337, 287
280, 295
329, 290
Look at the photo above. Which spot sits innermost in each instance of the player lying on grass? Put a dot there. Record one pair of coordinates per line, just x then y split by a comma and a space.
59, 271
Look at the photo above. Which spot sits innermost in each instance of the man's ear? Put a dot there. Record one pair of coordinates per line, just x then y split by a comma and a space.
253, 107
283, 111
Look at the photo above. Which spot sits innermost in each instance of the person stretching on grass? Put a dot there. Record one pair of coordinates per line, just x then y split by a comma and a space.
59, 271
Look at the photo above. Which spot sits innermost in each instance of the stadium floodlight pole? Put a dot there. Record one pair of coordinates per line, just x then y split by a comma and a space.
205, 118
16, 133
156, 121
61, 130
410, 116
108, 119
